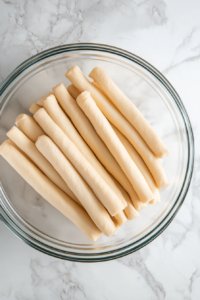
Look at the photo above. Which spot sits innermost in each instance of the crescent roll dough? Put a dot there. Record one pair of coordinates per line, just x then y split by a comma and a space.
92, 205
107, 134
89, 134
130, 111
49, 191
101, 189
117, 119
29, 148
28, 125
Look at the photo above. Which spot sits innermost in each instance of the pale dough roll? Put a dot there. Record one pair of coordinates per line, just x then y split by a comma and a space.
117, 119
29, 148
34, 107
107, 134
120, 218
130, 111
49, 191
89, 134
59, 117
28, 125
139, 162
92, 205
40, 102
73, 91
9, 141
101, 189
154, 201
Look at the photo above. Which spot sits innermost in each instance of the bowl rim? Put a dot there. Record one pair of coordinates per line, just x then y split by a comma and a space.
119, 252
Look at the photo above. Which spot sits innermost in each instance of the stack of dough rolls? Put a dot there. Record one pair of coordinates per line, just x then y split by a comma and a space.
129, 111
49, 190
89, 134
60, 118
74, 92
92, 205
102, 190
108, 136
30, 128
121, 123
89, 152
29, 148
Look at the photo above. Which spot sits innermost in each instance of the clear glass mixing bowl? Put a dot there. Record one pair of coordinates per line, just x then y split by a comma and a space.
32, 218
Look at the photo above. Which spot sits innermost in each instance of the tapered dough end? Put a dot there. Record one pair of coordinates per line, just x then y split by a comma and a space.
40, 102
29, 126
20, 118
74, 69
9, 141
120, 218
96, 70
50, 97
131, 213
34, 107
140, 205
163, 154
58, 86
3, 146
164, 183
73, 91
83, 96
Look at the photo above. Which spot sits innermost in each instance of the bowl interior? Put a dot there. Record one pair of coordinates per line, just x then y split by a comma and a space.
36, 215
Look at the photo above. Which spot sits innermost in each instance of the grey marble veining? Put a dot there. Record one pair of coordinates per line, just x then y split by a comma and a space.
167, 34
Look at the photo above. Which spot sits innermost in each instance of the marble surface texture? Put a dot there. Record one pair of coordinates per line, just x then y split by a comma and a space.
166, 33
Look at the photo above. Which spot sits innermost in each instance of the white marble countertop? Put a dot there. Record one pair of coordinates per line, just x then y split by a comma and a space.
166, 34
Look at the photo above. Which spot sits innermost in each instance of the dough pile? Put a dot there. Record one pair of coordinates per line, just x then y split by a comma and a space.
89, 152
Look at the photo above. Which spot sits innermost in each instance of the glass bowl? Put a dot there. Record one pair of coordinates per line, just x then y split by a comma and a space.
32, 218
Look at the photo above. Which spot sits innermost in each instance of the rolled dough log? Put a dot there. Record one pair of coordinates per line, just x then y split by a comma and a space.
28, 125
49, 191
9, 141
29, 148
40, 102
73, 91
117, 119
92, 205
101, 189
139, 162
59, 117
89, 134
33, 108
120, 218
107, 134
130, 111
